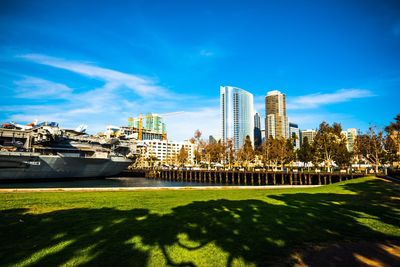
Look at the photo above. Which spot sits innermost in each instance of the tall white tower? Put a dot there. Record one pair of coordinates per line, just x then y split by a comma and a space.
237, 115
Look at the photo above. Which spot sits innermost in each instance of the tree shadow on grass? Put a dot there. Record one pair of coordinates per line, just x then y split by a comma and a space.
253, 231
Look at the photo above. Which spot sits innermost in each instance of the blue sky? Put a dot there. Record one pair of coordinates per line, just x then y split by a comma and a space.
99, 62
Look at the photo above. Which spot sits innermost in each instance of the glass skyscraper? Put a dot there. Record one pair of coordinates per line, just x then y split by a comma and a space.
257, 130
237, 115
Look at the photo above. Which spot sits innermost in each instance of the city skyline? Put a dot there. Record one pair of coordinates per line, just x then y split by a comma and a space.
336, 62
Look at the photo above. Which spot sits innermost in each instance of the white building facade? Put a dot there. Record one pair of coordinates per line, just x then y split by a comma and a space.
310, 134
166, 151
237, 115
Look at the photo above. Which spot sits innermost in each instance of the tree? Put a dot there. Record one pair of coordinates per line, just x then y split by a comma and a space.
392, 142
230, 152
182, 156
305, 153
197, 154
246, 153
214, 152
152, 159
278, 151
327, 144
283, 151
220, 148
294, 139
266, 149
391, 148
370, 146
343, 157
290, 152
197, 135
394, 126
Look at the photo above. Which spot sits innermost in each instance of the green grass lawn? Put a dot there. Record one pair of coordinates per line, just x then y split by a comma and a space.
193, 227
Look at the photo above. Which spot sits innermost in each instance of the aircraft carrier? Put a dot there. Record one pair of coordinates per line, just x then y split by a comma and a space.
49, 152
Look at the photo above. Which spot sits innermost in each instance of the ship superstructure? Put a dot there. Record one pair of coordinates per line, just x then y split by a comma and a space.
47, 151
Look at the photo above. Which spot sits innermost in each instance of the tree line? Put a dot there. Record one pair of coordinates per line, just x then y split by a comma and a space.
328, 149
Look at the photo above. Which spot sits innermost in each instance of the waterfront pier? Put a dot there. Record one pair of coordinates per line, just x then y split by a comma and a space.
251, 178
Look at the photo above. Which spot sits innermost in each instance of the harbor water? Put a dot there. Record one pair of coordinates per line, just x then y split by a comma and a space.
105, 182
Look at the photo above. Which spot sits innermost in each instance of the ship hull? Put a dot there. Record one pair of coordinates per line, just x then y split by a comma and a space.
16, 166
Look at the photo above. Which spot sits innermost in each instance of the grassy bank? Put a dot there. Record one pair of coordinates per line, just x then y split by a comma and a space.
195, 227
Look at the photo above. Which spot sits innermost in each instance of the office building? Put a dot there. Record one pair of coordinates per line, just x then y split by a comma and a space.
237, 115
310, 134
294, 133
150, 122
167, 151
257, 130
351, 135
276, 121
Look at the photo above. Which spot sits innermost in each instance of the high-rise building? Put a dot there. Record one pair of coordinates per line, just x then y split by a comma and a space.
310, 134
294, 133
150, 122
257, 130
276, 122
351, 135
237, 115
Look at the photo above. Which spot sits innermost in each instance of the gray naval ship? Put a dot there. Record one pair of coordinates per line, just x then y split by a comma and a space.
47, 152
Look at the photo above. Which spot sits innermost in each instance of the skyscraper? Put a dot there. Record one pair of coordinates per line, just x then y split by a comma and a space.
276, 122
294, 133
351, 135
257, 130
237, 115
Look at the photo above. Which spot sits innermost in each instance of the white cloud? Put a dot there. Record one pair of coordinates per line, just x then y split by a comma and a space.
32, 87
318, 99
143, 86
109, 104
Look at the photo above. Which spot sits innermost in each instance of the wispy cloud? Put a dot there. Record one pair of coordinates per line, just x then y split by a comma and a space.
318, 99
32, 87
143, 86
109, 103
